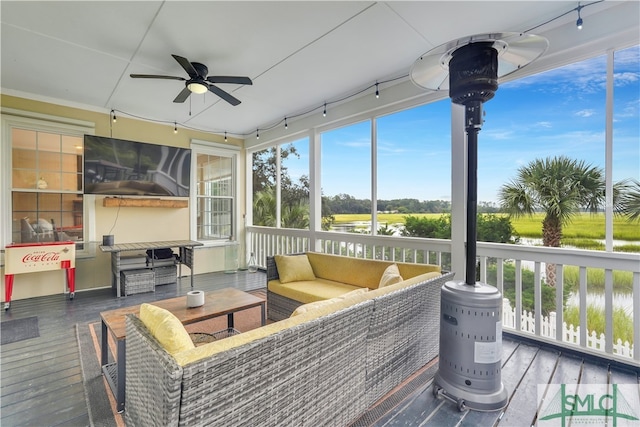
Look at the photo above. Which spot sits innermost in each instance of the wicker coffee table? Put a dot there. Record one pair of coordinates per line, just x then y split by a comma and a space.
217, 303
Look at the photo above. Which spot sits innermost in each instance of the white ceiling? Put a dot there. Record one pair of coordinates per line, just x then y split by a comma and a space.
299, 54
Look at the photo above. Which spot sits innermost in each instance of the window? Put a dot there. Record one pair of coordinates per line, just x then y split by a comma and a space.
46, 201
346, 175
292, 160
413, 160
626, 134
215, 193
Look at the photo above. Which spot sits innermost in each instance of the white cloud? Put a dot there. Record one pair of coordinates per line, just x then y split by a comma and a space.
585, 113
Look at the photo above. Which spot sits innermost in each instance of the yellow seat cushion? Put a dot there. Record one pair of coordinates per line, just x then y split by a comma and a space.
294, 268
307, 291
166, 328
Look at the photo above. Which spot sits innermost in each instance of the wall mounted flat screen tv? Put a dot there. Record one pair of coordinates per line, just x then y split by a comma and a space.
128, 168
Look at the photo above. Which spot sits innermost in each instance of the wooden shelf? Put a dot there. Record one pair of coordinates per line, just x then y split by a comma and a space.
114, 202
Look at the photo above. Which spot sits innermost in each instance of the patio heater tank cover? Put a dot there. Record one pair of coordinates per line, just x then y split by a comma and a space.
470, 361
469, 368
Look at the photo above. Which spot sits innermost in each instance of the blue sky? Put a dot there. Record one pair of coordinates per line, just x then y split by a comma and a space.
560, 112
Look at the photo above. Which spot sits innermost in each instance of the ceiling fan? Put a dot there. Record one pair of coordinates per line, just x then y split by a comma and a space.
198, 82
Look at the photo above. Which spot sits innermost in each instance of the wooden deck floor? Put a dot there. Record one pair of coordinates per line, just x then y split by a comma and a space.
525, 366
41, 379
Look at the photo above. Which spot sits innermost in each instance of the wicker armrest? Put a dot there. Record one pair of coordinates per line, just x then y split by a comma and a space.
154, 379
272, 269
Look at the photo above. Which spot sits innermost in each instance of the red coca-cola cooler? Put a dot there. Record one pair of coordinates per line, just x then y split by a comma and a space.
34, 257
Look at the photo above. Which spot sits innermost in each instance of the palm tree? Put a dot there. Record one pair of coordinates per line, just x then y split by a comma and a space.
630, 200
264, 207
293, 215
296, 215
560, 187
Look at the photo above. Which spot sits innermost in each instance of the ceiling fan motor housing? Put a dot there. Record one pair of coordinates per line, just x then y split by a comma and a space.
201, 69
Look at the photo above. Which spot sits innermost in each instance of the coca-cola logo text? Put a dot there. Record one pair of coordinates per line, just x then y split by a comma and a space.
40, 256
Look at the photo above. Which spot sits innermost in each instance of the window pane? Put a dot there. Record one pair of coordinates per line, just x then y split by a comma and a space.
24, 158
46, 164
414, 162
294, 184
214, 176
215, 190
49, 142
626, 134
214, 218
346, 176
264, 187
46, 217
72, 145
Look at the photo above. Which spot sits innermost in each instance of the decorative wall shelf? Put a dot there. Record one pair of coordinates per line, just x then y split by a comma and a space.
114, 202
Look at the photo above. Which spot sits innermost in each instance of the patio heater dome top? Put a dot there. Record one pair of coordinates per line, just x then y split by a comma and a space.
515, 50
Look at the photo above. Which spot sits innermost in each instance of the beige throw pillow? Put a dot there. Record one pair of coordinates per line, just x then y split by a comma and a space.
294, 268
391, 276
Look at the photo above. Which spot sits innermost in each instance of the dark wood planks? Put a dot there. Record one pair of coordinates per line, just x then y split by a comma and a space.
520, 409
41, 378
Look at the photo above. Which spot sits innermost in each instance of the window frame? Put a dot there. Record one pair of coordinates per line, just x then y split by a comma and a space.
12, 118
221, 150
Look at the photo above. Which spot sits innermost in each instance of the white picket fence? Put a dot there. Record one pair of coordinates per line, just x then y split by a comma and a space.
570, 333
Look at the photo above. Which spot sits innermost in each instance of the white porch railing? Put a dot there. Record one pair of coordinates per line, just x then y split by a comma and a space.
265, 241
570, 333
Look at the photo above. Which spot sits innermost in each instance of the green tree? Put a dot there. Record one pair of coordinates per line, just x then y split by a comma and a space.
265, 167
491, 228
327, 214
558, 186
294, 196
630, 200
494, 228
384, 230
435, 228
264, 207
547, 294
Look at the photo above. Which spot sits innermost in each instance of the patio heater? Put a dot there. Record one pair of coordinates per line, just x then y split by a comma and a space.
469, 371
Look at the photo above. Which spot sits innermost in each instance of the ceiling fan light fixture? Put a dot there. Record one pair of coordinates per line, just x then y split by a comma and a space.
197, 87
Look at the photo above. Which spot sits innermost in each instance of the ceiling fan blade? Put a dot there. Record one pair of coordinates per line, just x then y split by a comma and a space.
182, 96
224, 95
230, 79
153, 76
184, 62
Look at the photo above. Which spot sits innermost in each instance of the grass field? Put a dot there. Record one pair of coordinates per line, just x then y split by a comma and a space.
583, 226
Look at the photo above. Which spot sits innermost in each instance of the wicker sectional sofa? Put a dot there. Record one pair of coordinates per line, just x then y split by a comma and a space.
325, 366
331, 276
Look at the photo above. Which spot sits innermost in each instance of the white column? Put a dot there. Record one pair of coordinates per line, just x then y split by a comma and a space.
458, 191
315, 189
